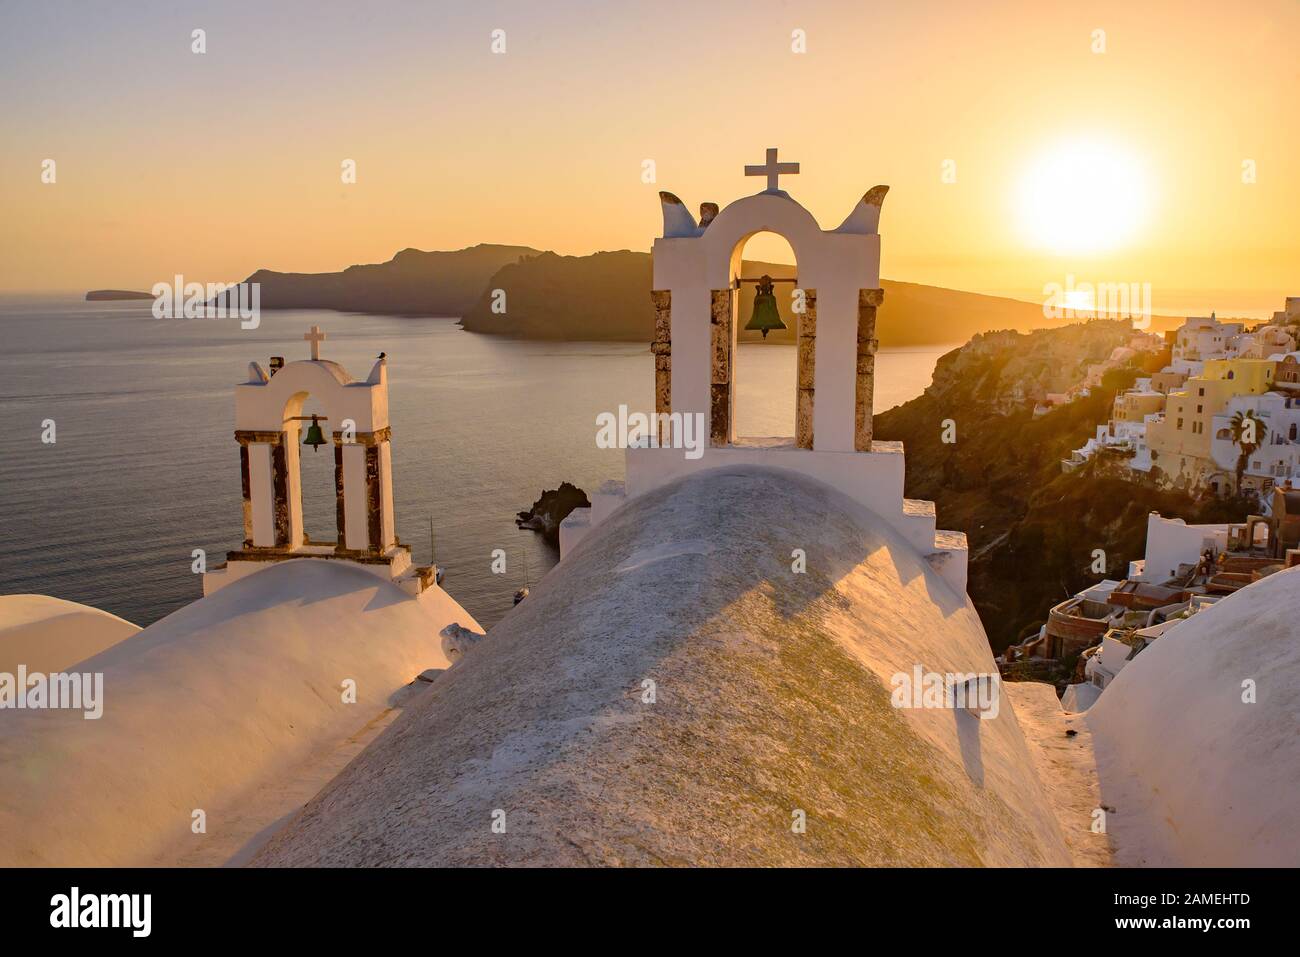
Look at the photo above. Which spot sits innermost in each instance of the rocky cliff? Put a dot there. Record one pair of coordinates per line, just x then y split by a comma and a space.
1033, 530
1012, 371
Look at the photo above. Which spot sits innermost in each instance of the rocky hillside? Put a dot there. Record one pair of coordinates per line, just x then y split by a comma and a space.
547, 296
115, 295
607, 296
603, 296
1012, 371
1032, 529
413, 282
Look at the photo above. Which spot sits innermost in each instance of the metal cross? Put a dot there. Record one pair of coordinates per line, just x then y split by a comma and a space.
772, 169
315, 337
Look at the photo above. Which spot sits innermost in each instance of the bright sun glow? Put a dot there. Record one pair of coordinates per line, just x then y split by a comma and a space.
1082, 197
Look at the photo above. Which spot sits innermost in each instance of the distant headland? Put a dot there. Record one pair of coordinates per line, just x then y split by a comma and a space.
108, 295
604, 296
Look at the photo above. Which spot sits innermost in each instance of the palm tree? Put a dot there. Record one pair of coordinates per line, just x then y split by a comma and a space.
1248, 431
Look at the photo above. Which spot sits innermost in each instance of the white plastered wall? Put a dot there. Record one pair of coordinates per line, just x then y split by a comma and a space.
836, 265
267, 404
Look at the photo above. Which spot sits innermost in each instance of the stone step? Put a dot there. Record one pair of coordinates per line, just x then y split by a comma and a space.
948, 556
917, 525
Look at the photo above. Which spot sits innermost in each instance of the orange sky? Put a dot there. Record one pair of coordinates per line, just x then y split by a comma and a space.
217, 164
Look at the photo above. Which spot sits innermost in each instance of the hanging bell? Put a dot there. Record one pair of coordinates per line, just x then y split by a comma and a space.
314, 436
765, 317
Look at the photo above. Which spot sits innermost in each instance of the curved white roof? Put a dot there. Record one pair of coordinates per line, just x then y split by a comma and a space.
1199, 775
49, 634
771, 696
207, 708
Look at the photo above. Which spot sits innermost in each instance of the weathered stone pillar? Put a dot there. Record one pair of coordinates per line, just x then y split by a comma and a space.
662, 347
272, 476
805, 375
720, 389
868, 300
246, 487
374, 500
363, 492
280, 488
340, 511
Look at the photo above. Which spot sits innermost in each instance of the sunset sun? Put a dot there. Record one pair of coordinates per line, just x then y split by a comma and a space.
1081, 196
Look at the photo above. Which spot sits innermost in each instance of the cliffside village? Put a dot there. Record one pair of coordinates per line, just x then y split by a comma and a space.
1186, 569
1222, 417
1188, 426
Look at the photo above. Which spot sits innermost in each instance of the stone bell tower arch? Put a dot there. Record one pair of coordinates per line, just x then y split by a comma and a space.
353, 415
696, 267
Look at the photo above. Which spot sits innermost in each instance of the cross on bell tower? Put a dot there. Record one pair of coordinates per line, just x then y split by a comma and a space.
772, 170
315, 337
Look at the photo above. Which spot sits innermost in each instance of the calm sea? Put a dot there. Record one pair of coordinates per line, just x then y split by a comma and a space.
145, 467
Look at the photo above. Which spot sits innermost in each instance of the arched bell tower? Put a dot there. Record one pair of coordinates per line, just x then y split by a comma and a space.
697, 268
269, 423
696, 281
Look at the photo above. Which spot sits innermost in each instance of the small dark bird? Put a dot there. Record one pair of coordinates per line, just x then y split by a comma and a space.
382, 355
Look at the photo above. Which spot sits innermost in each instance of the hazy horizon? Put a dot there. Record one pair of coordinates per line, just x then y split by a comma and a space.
1227, 304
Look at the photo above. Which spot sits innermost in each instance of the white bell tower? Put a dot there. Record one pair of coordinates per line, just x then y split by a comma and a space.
268, 427
697, 276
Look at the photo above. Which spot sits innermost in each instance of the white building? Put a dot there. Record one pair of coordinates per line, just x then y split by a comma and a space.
1201, 338
1264, 342
1127, 426
1276, 460
1141, 460
1197, 341
1109, 659
1171, 542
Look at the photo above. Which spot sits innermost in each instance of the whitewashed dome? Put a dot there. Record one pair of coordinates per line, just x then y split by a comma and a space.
771, 696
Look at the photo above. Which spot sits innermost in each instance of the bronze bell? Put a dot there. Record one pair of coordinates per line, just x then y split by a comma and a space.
765, 316
314, 437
